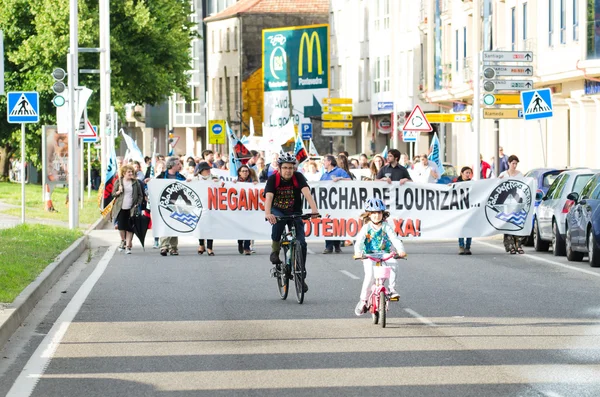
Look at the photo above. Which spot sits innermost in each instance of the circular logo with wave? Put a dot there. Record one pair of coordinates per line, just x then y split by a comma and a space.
508, 205
180, 207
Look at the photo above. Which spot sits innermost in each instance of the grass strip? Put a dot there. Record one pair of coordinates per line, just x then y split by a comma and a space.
25, 251
10, 193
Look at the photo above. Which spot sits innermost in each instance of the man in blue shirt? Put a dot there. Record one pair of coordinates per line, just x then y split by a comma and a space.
333, 173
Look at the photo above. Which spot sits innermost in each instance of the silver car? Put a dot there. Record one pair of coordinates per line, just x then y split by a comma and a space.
550, 215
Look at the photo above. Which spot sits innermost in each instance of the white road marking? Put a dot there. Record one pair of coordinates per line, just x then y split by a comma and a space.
39, 361
352, 276
552, 394
537, 258
422, 319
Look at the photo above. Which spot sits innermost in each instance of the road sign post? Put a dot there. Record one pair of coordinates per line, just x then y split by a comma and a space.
337, 117
23, 107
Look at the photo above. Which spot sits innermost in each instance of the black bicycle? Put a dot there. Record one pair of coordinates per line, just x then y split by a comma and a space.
292, 267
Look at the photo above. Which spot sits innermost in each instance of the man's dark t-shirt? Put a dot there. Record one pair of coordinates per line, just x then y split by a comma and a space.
286, 198
398, 172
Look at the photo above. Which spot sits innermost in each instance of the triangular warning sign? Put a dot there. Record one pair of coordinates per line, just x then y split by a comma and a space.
173, 141
417, 121
537, 105
23, 108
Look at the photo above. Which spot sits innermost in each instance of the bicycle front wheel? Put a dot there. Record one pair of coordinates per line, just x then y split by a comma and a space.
382, 310
283, 282
299, 272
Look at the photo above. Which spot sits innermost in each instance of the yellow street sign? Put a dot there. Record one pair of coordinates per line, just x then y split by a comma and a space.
508, 99
502, 113
448, 117
337, 101
336, 116
337, 108
336, 124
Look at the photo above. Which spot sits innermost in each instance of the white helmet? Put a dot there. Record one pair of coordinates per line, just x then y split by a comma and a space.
286, 158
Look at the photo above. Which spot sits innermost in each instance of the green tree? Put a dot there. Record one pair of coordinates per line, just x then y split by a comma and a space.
150, 43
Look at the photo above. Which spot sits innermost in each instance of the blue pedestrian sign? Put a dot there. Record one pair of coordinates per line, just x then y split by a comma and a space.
23, 107
537, 104
307, 132
385, 106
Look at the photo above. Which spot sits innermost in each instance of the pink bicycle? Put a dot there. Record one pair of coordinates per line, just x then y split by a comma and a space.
379, 299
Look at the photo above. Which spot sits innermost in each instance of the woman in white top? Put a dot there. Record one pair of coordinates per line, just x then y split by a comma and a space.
512, 243
129, 195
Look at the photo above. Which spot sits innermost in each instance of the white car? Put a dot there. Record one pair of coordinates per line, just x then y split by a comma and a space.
551, 214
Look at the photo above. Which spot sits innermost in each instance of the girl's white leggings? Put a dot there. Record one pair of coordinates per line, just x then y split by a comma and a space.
368, 281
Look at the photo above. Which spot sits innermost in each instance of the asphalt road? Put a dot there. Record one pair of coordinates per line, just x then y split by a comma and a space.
490, 324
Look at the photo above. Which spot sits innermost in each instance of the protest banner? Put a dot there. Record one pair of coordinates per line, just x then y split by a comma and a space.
227, 210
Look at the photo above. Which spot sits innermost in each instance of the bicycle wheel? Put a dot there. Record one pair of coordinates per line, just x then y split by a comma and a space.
283, 282
382, 310
299, 272
374, 309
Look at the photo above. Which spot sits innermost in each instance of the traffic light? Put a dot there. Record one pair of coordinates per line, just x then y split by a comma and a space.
59, 87
171, 137
489, 85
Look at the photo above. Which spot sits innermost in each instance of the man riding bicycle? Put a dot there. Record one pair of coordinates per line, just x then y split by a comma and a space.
283, 193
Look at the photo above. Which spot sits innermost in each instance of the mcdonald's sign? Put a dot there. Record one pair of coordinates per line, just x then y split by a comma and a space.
310, 42
305, 48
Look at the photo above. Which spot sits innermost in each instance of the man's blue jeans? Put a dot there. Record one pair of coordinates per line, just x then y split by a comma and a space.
461, 242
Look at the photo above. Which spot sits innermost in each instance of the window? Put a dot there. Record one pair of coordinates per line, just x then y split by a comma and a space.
386, 14
368, 78
377, 75
386, 73
513, 28
554, 190
220, 93
220, 40
563, 21
465, 42
361, 90
377, 15
214, 98
580, 182
236, 93
550, 24
235, 38
227, 40
593, 29
575, 20
589, 188
456, 51
524, 21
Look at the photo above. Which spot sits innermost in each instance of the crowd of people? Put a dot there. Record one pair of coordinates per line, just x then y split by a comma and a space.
396, 166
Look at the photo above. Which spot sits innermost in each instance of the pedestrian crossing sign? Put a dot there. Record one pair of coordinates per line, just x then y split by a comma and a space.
537, 104
23, 107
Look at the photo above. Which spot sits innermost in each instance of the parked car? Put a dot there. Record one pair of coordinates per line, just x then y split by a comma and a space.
551, 214
583, 224
544, 178
449, 175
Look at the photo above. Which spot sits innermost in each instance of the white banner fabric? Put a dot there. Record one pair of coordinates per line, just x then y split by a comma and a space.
227, 210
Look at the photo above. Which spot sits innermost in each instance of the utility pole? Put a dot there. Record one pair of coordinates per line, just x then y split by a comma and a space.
73, 119
104, 126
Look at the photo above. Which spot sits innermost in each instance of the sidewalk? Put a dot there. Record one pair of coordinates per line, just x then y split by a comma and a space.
9, 221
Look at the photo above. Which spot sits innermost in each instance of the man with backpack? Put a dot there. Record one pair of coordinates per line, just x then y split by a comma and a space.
283, 194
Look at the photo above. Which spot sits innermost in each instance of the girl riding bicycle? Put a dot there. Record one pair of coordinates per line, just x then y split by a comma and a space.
376, 235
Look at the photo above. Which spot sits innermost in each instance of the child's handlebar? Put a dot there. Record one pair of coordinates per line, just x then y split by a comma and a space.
393, 255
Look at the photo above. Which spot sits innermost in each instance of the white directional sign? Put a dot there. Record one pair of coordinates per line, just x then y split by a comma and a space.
417, 121
507, 56
494, 71
507, 85
410, 136
331, 132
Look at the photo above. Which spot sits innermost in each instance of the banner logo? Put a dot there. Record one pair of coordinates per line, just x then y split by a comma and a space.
508, 206
180, 207
310, 43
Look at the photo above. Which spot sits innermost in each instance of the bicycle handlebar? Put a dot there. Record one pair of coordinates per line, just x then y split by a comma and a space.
380, 259
292, 217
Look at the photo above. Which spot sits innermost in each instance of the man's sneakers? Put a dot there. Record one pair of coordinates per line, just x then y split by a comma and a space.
361, 308
163, 252
338, 250
122, 246
174, 252
394, 295
467, 251
327, 251
274, 257
461, 250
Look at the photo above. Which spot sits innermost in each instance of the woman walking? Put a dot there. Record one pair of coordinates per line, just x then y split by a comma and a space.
245, 175
512, 243
203, 169
464, 244
128, 193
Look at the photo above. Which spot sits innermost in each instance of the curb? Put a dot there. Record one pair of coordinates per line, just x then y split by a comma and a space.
15, 313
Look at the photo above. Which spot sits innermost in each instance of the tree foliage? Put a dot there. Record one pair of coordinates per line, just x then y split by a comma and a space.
150, 43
